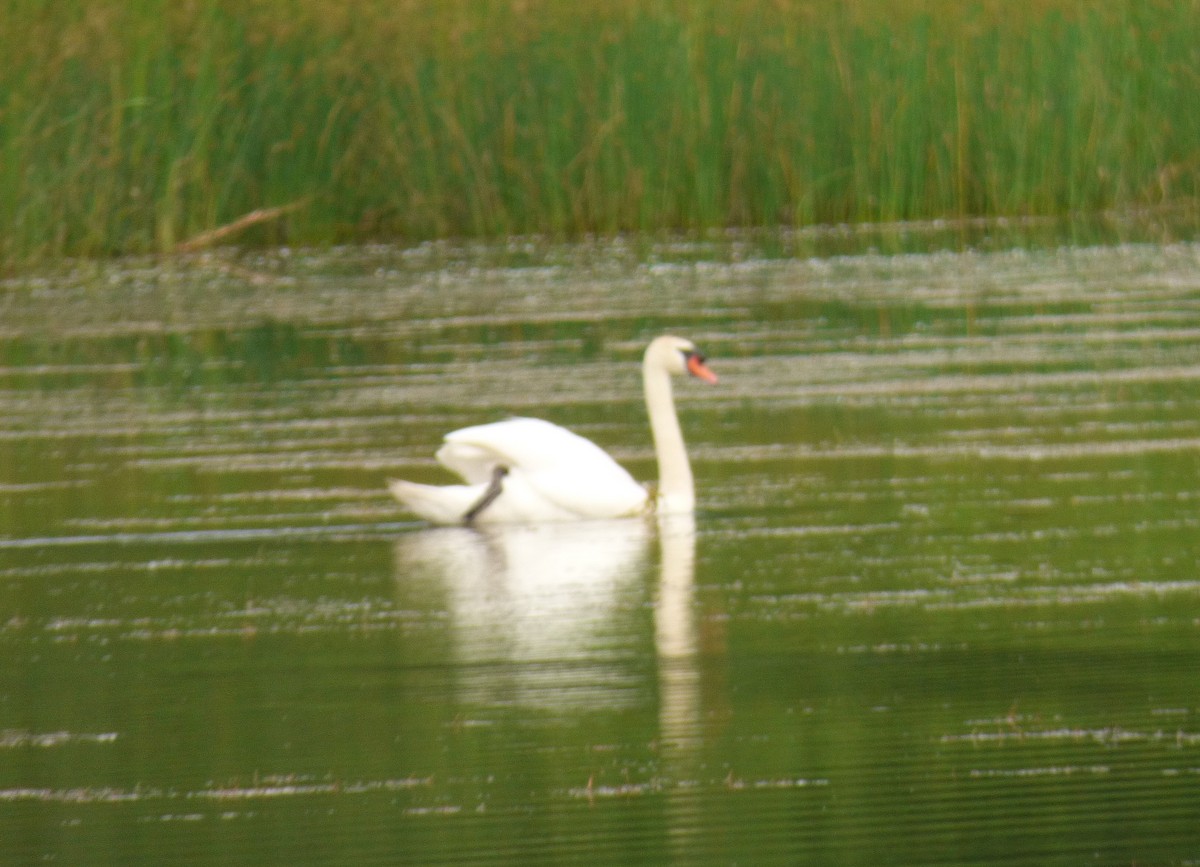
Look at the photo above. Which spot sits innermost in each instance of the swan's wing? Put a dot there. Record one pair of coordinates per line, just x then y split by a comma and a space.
529, 443
473, 462
441, 504
450, 504
571, 472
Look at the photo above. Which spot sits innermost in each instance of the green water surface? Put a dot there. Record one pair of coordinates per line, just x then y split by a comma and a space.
939, 602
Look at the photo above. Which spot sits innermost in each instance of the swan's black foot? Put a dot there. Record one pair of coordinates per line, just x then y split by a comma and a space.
494, 489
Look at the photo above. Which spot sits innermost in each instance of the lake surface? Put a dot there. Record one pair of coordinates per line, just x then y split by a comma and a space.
939, 603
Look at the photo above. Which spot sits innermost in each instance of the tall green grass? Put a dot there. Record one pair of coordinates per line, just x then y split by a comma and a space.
130, 126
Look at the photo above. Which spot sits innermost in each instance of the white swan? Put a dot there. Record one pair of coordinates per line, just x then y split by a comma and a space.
529, 470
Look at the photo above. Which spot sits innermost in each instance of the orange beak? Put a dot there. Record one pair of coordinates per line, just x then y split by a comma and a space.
697, 368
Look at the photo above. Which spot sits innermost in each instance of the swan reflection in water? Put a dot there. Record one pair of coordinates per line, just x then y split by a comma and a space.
553, 615
675, 640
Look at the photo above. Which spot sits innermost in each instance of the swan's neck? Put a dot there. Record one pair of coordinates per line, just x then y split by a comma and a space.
676, 492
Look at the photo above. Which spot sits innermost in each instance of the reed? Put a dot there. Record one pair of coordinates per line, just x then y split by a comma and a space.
132, 126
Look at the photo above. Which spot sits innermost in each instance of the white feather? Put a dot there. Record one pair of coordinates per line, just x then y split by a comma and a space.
548, 473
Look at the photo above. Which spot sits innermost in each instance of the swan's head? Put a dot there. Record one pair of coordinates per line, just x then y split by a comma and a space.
677, 355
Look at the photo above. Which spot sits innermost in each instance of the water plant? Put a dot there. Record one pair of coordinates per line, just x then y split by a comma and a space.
135, 126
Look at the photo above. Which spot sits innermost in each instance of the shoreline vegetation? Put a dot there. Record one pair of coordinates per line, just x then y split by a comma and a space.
158, 127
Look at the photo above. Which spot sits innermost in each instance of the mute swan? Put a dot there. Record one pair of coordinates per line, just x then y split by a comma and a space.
529, 470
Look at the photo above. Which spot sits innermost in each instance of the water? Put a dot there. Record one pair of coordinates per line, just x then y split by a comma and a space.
939, 604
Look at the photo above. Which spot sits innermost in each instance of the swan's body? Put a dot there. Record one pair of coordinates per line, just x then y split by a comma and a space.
529, 470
